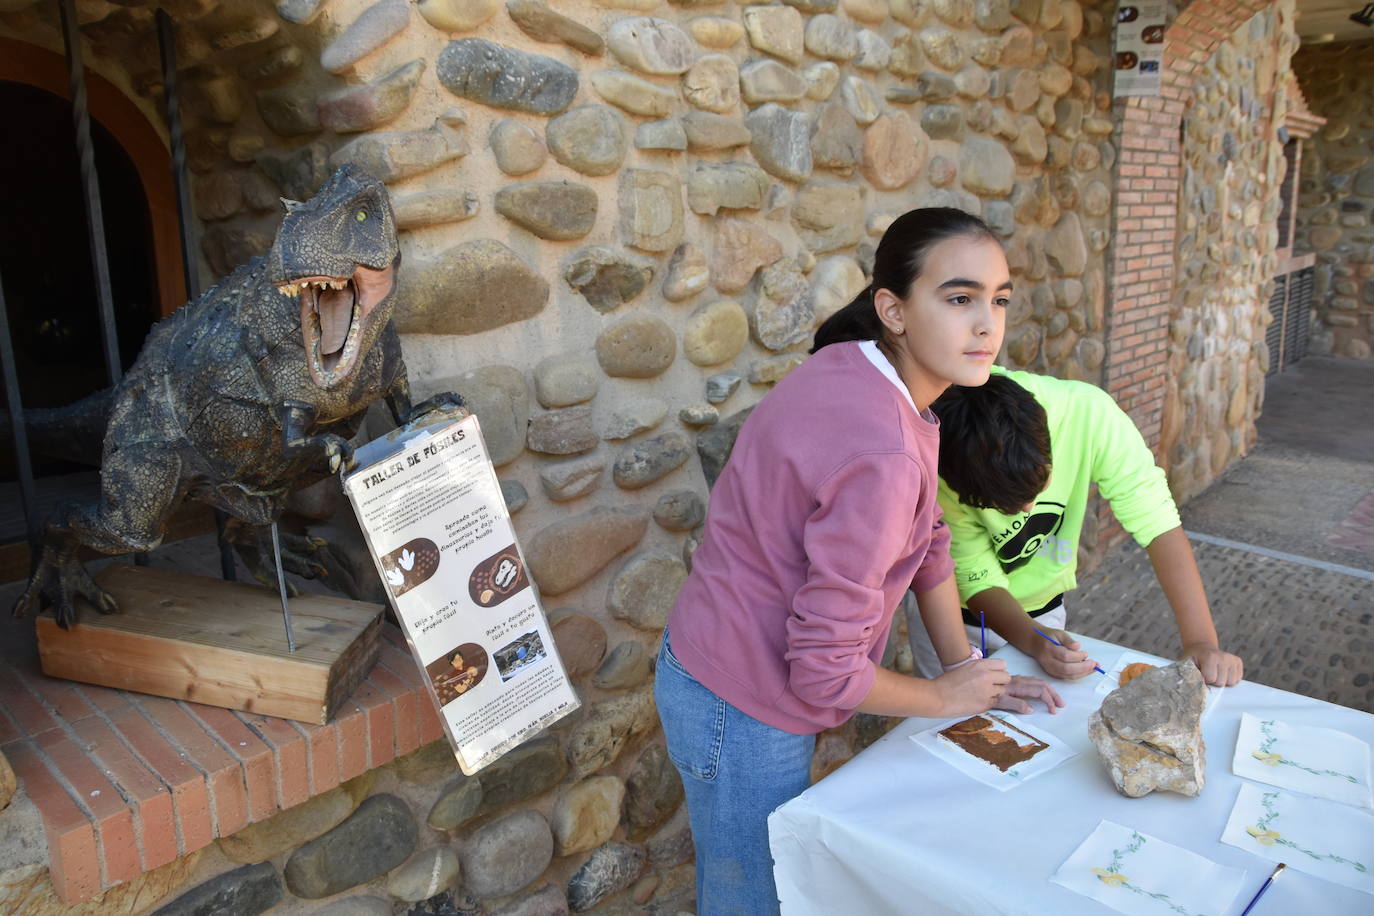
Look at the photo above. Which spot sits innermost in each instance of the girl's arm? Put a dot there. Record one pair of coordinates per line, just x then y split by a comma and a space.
940, 612
1176, 568
967, 690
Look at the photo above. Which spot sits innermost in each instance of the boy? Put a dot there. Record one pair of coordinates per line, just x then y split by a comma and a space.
1017, 457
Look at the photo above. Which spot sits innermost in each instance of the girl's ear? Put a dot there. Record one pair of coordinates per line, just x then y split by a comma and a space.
889, 309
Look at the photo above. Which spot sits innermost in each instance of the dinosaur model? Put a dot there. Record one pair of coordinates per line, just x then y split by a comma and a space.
242, 396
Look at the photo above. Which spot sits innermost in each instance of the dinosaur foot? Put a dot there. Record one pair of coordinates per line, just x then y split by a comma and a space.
300, 554
57, 582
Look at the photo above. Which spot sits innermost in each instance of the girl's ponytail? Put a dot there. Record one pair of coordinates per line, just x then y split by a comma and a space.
856, 321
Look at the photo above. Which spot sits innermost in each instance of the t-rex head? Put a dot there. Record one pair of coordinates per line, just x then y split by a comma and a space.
337, 255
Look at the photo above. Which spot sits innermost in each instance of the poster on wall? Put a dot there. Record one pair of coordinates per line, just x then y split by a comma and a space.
431, 509
1139, 57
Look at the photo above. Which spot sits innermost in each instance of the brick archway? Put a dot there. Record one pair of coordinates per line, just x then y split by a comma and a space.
1148, 184
31, 65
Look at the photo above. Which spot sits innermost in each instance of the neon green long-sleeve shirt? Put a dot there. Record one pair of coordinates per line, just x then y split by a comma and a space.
1035, 555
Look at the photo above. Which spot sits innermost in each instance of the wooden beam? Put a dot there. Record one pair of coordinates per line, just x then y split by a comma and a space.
219, 643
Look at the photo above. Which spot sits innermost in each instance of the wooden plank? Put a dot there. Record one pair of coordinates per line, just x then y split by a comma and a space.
218, 643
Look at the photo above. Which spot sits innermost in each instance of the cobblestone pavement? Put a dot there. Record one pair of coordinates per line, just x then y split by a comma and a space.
1297, 627
1306, 490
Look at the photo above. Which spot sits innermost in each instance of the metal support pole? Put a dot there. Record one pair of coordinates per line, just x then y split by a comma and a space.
281, 587
90, 182
19, 434
171, 94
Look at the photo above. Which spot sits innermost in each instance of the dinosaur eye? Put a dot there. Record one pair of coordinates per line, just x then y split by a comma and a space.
361, 216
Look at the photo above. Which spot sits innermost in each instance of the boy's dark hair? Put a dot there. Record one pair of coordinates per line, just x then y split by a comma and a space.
994, 444
896, 265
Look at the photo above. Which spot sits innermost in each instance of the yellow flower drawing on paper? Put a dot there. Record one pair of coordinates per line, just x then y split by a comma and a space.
1266, 837
1267, 756
1112, 876
1269, 760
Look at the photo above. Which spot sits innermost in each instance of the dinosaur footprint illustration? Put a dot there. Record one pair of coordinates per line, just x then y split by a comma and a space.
410, 565
497, 578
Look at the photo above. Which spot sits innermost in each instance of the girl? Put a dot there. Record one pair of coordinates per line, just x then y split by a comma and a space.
823, 517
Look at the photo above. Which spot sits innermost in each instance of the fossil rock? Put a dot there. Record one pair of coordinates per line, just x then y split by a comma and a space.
1149, 733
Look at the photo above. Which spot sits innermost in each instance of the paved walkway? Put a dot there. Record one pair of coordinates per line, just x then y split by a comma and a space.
1285, 542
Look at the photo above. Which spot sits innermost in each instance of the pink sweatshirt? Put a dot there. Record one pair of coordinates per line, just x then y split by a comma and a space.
824, 515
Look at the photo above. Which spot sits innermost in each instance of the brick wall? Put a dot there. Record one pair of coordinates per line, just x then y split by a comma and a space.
1141, 257
127, 782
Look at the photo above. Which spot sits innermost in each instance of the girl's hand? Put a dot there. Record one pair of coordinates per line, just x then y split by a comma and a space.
972, 688
1219, 668
1067, 662
1013, 698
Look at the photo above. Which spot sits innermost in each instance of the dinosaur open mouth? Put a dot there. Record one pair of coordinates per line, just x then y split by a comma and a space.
334, 311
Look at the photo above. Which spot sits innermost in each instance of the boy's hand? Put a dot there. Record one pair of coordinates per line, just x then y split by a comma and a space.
972, 688
1219, 668
1013, 698
1067, 662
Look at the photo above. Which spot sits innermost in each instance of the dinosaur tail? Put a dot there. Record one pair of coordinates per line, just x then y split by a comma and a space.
75, 432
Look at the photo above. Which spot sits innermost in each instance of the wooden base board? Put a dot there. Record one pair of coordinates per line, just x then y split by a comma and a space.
219, 643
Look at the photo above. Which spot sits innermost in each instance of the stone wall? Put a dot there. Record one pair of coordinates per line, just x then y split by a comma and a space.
1227, 233
622, 220
1336, 195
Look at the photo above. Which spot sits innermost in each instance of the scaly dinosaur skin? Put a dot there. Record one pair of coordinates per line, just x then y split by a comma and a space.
247, 393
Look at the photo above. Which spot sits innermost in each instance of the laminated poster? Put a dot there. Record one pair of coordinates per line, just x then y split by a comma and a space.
1139, 47
431, 509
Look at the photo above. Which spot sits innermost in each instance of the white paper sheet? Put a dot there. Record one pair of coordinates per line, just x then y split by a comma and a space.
1052, 756
1133, 872
1112, 680
1314, 761
1322, 838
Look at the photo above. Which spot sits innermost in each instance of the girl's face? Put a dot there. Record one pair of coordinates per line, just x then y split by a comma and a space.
948, 329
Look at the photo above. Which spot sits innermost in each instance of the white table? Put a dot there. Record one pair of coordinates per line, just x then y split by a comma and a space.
896, 830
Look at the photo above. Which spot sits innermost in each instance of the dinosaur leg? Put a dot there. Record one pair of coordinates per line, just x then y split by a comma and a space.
140, 486
300, 554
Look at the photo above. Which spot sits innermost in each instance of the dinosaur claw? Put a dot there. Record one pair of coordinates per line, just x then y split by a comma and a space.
334, 464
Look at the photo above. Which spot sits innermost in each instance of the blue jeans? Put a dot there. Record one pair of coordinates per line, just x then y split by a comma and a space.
735, 770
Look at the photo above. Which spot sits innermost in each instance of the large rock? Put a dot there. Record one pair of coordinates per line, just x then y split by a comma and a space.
633, 93
502, 77
637, 346
829, 215
1149, 733
610, 869
597, 740
518, 149
376, 838
505, 855
537, 20
713, 84
688, 273
729, 185
378, 24
776, 30
653, 791
606, 278
715, 333
708, 131
894, 151
392, 155
645, 586
571, 550
590, 139
650, 209
457, 15
472, 287
586, 814
741, 248
836, 141
985, 167
243, 891
784, 310
554, 210
288, 829
429, 872
652, 459
358, 108
650, 45
780, 141
501, 401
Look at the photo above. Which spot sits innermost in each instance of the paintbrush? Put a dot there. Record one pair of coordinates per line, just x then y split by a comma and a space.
1263, 887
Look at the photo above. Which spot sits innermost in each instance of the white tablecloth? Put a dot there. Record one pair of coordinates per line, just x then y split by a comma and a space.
896, 830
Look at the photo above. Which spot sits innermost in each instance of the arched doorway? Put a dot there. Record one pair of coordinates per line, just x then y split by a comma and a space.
45, 263
45, 259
